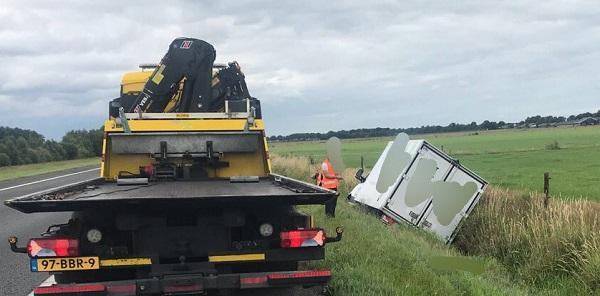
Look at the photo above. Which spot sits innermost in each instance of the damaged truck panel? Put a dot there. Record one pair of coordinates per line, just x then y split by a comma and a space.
430, 190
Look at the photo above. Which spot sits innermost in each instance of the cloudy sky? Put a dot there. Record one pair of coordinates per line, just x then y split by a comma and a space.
317, 65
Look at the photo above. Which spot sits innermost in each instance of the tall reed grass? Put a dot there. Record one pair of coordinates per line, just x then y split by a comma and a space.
301, 168
535, 242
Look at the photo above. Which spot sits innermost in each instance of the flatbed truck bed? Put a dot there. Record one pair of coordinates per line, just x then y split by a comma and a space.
97, 193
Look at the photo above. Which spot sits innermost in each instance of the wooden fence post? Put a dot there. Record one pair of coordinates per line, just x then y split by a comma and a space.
546, 188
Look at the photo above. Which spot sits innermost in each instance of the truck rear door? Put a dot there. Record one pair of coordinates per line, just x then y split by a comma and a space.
446, 219
402, 203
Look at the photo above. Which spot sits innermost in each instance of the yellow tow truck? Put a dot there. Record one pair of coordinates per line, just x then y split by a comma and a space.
186, 202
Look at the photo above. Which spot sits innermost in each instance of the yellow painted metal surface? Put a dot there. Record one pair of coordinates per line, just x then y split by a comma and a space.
65, 264
267, 156
116, 163
243, 164
125, 262
158, 76
240, 164
237, 258
175, 99
133, 82
182, 124
103, 160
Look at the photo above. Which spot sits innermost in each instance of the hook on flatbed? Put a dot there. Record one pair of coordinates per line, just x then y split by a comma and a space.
339, 231
12, 241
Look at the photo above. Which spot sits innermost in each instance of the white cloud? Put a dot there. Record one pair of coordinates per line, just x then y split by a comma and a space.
316, 65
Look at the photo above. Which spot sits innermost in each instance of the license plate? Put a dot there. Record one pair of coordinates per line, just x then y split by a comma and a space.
62, 264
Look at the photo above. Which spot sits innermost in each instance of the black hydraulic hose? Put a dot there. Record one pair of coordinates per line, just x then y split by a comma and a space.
114, 191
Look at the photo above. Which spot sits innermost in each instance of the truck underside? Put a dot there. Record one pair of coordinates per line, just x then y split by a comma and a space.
177, 237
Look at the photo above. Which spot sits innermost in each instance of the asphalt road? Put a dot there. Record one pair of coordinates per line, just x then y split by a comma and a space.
14, 268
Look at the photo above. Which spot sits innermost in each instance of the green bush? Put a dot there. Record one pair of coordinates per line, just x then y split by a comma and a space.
71, 151
4, 160
553, 146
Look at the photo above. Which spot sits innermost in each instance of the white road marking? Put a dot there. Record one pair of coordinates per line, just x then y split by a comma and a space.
48, 282
49, 179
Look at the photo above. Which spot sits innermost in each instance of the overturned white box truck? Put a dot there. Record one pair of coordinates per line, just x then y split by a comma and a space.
416, 183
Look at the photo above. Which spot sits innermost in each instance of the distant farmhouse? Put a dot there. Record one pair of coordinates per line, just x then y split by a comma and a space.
526, 125
588, 121
569, 123
580, 122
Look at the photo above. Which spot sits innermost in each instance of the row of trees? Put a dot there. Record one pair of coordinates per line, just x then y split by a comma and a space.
20, 146
428, 129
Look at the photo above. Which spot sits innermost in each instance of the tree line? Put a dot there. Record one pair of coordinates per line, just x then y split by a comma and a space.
21, 146
428, 129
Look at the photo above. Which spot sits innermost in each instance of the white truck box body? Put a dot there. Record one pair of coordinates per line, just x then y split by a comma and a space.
433, 191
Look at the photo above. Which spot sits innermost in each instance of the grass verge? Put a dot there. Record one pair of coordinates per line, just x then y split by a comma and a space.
374, 259
527, 249
18, 171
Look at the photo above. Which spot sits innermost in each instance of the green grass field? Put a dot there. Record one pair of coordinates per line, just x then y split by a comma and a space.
13, 172
515, 158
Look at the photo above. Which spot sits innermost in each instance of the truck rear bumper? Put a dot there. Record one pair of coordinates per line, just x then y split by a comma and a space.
190, 284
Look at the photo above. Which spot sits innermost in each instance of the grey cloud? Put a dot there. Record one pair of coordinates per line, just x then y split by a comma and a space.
316, 65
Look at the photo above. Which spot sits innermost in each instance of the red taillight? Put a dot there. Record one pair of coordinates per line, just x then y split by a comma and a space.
53, 247
182, 289
70, 289
300, 274
255, 280
302, 238
261, 280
